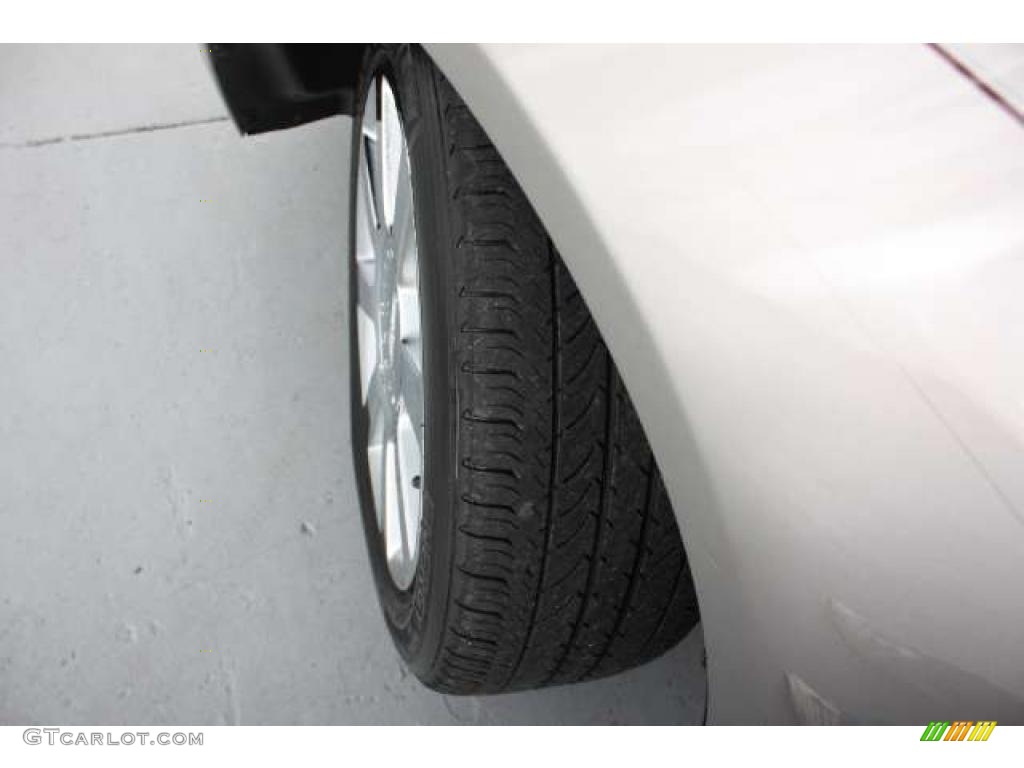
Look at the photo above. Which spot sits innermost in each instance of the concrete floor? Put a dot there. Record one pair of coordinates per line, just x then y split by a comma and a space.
180, 538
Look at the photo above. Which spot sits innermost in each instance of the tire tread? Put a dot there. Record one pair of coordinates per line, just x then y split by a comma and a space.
568, 561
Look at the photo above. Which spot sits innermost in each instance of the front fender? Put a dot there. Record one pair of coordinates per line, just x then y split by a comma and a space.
806, 262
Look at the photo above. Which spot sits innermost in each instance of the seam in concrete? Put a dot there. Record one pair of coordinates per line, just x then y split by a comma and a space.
34, 143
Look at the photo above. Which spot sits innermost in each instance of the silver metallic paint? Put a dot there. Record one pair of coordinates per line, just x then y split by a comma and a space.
808, 263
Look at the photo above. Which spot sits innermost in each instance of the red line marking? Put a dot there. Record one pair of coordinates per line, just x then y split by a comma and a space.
980, 84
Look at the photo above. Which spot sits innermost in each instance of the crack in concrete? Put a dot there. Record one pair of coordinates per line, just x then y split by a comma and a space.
35, 143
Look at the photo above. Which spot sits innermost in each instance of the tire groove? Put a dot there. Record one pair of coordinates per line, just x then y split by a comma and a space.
553, 476
599, 525
627, 599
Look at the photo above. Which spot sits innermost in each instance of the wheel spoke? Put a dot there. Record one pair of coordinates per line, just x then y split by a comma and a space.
371, 114
403, 231
366, 290
367, 266
372, 147
366, 220
392, 146
379, 433
389, 328
392, 512
407, 304
369, 183
410, 464
401, 481
368, 345
378, 407
411, 388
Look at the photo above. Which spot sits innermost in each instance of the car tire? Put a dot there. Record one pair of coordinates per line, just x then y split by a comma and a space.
547, 548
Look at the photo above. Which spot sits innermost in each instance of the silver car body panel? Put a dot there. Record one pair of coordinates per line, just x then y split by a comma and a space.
808, 263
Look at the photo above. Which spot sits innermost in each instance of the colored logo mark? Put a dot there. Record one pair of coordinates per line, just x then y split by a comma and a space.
961, 730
